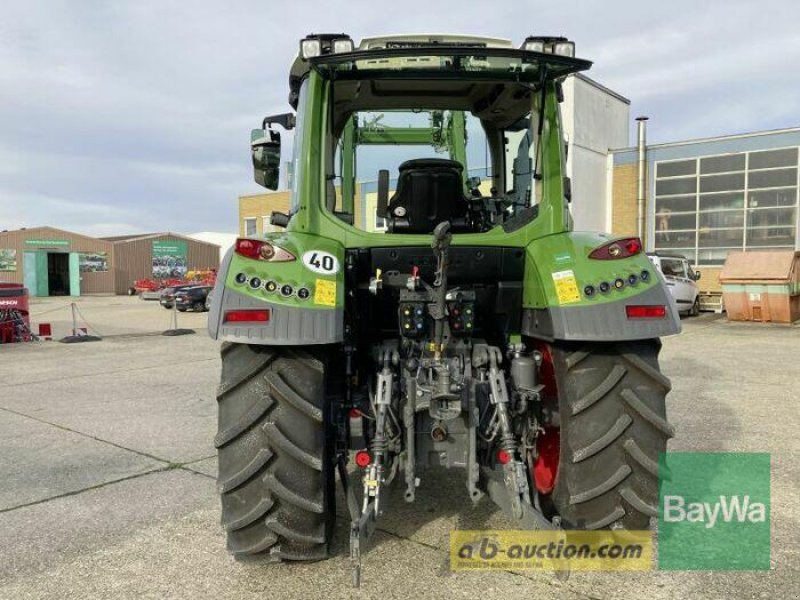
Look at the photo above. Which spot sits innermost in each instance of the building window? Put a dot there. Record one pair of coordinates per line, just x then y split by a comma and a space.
250, 227
708, 206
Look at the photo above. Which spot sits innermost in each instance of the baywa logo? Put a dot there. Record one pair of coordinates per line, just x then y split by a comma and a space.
728, 508
714, 511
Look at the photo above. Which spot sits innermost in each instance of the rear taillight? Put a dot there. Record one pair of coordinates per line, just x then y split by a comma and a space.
246, 316
656, 311
623, 248
262, 250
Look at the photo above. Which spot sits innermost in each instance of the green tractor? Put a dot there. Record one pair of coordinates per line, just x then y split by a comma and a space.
433, 319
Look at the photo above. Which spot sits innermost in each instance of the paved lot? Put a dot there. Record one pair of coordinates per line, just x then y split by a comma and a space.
107, 470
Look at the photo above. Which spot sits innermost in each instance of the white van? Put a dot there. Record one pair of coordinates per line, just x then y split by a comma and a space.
680, 280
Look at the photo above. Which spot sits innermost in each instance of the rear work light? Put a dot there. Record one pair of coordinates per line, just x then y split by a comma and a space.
261, 250
246, 316
624, 248
646, 311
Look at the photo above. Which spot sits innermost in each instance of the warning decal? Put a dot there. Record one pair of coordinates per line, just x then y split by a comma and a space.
566, 287
325, 292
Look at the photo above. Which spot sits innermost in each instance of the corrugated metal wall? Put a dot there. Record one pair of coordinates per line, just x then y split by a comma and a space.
134, 258
128, 260
91, 283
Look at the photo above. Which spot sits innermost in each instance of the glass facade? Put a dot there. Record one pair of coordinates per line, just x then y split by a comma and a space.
708, 206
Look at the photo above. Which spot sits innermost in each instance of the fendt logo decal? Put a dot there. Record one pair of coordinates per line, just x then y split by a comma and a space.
9, 302
321, 262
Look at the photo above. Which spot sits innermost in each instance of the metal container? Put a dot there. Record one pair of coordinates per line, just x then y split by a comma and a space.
762, 286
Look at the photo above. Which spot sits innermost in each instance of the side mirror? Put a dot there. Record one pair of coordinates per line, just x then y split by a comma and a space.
696, 275
265, 147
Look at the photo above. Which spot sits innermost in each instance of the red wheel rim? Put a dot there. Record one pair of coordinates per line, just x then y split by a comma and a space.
548, 443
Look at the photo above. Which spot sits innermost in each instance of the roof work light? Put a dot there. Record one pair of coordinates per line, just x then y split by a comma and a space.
550, 45
325, 43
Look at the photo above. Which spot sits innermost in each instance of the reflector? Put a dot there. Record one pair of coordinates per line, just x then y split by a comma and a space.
503, 457
646, 312
246, 316
363, 458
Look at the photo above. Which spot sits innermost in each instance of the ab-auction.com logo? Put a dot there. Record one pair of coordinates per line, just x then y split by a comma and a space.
714, 511
551, 550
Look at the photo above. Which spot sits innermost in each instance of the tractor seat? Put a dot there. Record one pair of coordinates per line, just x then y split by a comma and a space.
429, 191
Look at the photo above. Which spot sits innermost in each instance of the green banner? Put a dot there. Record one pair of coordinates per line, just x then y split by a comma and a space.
169, 259
714, 511
47, 243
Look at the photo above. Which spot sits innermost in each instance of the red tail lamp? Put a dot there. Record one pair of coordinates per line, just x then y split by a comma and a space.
646, 311
246, 316
624, 248
262, 250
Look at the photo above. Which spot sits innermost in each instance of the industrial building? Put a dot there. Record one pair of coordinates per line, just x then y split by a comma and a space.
703, 198
54, 262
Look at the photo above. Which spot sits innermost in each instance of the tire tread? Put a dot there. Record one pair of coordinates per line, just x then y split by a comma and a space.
275, 475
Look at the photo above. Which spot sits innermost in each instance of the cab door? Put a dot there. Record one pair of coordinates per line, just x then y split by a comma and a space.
74, 274
676, 274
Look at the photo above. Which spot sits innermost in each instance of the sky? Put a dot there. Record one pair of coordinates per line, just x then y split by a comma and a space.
124, 117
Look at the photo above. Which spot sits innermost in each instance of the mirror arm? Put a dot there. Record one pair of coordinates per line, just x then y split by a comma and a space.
285, 120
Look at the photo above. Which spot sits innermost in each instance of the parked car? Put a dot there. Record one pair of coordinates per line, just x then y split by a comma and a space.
681, 280
167, 296
193, 298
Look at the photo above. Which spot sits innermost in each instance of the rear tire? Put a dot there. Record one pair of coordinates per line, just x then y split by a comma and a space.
275, 453
613, 427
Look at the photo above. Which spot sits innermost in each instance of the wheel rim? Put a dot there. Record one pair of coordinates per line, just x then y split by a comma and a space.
548, 443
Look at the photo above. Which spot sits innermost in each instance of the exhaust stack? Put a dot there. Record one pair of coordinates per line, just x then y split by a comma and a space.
641, 193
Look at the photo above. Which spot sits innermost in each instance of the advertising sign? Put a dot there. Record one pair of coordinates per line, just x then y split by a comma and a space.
93, 262
8, 259
169, 259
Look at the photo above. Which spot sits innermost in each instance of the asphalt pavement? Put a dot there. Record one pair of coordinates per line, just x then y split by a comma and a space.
108, 474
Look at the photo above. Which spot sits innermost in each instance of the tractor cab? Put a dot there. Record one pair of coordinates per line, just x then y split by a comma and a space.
435, 128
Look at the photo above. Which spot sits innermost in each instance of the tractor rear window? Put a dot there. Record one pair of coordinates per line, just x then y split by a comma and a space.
394, 139
438, 164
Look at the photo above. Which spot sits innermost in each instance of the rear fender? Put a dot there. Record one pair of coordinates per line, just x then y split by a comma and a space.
293, 318
557, 304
